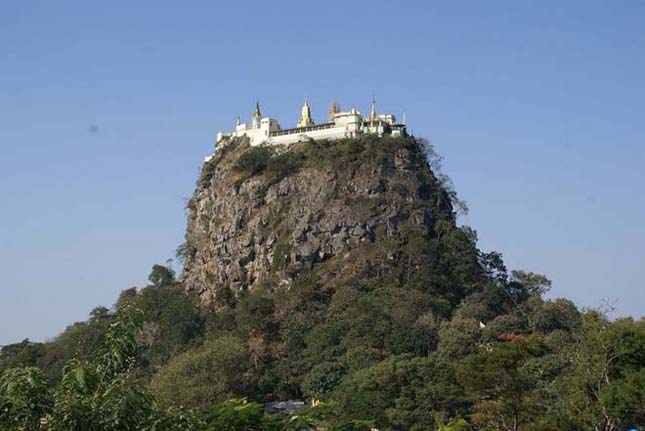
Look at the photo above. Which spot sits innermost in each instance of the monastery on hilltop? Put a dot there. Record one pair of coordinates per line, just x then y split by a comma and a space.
340, 124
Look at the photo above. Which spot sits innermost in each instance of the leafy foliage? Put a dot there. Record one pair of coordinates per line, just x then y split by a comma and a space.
430, 334
405, 392
25, 399
170, 323
237, 414
204, 376
501, 385
101, 394
161, 276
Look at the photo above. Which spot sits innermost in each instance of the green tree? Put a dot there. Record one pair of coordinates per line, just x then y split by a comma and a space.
501, 385
237, 415
99, 313
101, 394
601, 387
456, 424
177, 420
25, 399
161, 275
533, 283
322, 379
459, 338
205, 375
560, 314
22, 354
402, 393
77, 340
170, 322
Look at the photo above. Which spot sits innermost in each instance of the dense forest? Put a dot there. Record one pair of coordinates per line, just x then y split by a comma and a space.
429, 333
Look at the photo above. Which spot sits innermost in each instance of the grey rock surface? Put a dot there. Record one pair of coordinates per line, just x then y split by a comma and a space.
249, 231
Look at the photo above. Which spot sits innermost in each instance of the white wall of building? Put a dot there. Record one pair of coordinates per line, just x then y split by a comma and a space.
330, 133
344, 125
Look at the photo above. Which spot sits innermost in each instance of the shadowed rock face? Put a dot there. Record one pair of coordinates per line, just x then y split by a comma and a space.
335, 212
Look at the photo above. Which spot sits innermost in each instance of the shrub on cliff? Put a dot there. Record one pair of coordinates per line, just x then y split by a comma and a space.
254, 160
285, 163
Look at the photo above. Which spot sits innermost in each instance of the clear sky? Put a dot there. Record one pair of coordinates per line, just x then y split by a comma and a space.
108, 108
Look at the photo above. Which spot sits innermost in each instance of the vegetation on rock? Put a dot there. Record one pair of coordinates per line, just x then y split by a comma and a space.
334, 273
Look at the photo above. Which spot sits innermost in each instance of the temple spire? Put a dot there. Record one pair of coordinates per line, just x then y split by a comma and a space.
257, 116
305, 115
333, 110
373, 116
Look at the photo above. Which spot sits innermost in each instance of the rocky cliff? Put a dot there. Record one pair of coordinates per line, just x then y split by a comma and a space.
260, 217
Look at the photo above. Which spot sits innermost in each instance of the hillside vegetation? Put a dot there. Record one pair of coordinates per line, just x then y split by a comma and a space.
333, 273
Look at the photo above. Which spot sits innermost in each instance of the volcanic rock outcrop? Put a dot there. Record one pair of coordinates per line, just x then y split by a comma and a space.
262, 216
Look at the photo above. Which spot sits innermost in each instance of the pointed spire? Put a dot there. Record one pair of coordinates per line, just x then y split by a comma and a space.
257, 116
305, 115
333, 109
373, 116
404, 120
237, 120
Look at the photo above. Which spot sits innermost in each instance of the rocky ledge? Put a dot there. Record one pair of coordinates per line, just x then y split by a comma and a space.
262, 216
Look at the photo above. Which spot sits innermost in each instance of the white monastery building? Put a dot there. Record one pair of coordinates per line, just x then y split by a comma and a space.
341, 124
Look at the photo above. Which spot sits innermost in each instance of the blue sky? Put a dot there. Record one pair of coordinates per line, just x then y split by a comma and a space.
107, 109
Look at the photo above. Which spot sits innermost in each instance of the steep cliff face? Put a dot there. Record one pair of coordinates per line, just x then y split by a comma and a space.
260, 217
